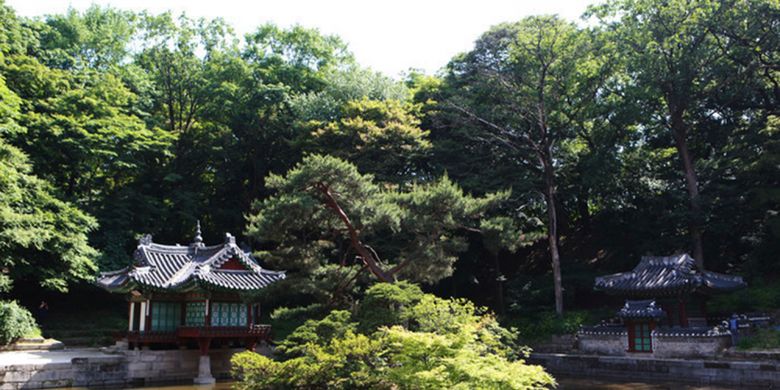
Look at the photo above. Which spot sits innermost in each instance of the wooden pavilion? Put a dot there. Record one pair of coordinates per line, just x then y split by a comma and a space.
664, 296
192, 294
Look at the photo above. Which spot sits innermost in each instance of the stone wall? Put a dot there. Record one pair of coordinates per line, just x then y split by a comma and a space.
675, 343
672, 346
739, 374
81, 372
603, 343
121, 368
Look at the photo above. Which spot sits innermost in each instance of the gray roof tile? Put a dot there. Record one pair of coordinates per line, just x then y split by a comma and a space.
176, 267
668, 275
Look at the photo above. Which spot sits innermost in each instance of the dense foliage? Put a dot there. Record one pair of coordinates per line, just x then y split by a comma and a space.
397, 338
15, 322
327, 219
547, 154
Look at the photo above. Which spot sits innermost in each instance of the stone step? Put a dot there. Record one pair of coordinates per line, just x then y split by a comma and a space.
34, 345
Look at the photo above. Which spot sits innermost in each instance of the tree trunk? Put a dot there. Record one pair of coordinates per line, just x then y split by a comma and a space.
365, 253
552, 232
499, 285
692, 184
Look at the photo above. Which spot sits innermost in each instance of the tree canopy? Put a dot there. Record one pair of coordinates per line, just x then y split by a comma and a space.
548, 153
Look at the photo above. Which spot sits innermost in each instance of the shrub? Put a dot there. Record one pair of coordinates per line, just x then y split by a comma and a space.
285, 320
759, 296
543, 325
762, 339
412, 341
15, 322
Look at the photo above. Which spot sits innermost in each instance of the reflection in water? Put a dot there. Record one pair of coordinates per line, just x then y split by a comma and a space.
589, 384
563, 384
217, 386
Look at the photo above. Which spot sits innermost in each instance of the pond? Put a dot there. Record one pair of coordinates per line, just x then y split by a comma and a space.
564, 384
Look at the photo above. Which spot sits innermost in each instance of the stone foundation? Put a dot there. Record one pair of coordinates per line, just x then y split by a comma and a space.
123, 368
722, 373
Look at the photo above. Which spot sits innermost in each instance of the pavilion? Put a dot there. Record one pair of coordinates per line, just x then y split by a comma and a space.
665, 308
192, 294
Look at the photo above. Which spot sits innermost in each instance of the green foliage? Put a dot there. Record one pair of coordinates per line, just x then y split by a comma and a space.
758, 296
387, 304
542, 324
115, 123
421, 227
285, 320
316, 332
763, 339
15, 322
42, 239
440, 344
380, 137
352, 84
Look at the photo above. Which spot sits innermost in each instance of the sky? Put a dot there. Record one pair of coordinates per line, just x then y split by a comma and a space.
390, 36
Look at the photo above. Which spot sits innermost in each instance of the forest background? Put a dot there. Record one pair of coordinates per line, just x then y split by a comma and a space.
548, 154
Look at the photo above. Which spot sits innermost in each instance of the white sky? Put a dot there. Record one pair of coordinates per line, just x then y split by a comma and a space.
389, 36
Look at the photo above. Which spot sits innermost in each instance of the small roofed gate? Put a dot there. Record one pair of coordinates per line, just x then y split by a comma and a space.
196, 293
641, 319
665, 310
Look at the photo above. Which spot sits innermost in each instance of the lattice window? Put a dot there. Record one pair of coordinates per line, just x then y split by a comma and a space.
195, 314
228, 314
166, 316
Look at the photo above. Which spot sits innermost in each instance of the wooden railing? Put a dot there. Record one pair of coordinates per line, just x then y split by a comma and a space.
257, 332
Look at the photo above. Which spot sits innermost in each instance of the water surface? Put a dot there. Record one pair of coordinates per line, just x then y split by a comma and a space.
564, 384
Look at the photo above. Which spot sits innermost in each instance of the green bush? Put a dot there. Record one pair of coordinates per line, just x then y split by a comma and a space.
763, 339
541, 326
758, 296
15, 322
285, 320
412, 341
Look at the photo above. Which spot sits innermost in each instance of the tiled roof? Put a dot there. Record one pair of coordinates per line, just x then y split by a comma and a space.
184, 268
669, 275
640, 309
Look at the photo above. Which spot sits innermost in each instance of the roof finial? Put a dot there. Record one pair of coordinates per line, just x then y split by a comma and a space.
198, 237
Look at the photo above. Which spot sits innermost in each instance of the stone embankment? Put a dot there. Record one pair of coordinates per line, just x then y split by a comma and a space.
95, 368
762, 374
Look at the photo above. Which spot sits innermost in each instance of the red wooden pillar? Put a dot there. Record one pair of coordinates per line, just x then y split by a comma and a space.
683, 314
249, 320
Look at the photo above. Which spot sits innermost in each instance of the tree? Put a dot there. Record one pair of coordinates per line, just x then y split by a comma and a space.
380, 137
325, 210
345, 85
43, 240
679, 69
526, 85
99, 38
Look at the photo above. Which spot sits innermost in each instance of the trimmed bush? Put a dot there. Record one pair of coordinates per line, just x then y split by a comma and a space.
15, 322
396, 338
